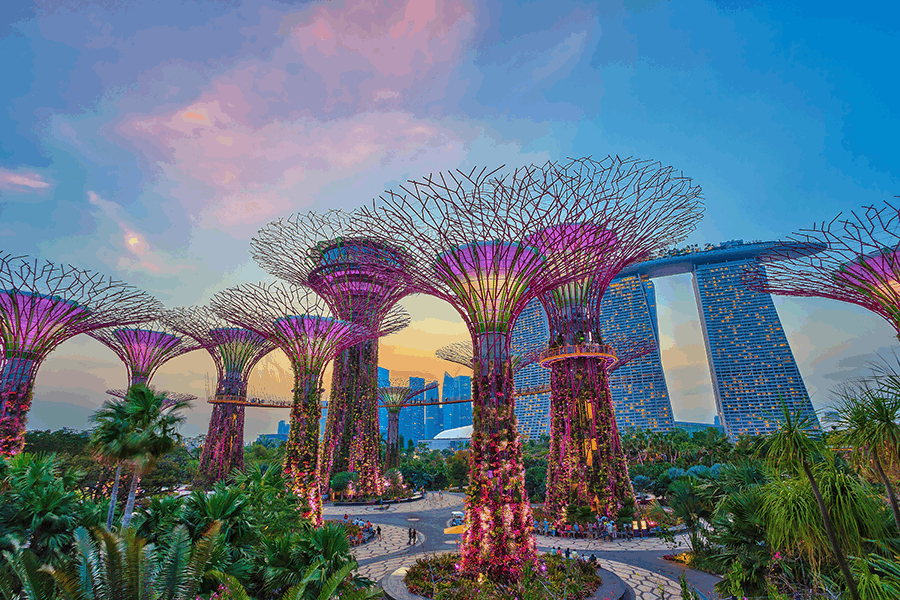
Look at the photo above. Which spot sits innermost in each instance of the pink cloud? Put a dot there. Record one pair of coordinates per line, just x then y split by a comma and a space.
22, 181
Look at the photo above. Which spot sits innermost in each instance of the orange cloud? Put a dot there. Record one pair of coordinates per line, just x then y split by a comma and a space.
194, 115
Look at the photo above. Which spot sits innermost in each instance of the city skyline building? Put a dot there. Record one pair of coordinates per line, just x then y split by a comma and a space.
412, 418
434, 414
530, 334
457, 388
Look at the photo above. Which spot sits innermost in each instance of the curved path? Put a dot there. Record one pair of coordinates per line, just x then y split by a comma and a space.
637, 562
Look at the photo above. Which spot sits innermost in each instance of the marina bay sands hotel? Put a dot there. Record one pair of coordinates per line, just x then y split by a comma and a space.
750, 361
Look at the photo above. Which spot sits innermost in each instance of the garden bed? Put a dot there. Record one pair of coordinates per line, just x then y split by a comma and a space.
436, 577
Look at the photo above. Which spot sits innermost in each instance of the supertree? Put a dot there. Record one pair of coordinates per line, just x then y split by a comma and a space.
854, 259
574, 476
171, 397
41, 306
655, 208
235, 351
465, 235
298, 322
145, 348
358, 278
394, 398
461, 353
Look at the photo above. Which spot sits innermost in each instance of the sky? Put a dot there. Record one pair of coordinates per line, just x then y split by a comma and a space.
150, 141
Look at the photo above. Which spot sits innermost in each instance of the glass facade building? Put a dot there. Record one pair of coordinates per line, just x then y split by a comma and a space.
751, 363
530, 333
639, 391
412, 418
434, 414
384, 380
457, 388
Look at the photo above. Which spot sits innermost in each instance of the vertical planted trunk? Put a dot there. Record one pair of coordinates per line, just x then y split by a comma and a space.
392, 455
556, 499
498, 540
301, 453
335, 451
365, 451
16, 392
224, 447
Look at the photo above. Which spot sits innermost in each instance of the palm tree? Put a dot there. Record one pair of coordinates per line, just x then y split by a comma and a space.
790, 448
867, 420
153, 422
108, 442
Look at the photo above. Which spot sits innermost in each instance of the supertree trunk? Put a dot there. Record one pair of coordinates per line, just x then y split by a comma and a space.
15, 401
301, 453
557, 494
590, 468
224, 448
392, 456
365, 453
351, 426
498, 541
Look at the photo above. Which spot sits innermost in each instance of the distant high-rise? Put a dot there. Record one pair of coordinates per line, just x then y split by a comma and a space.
457, 388
412, 418
530, 333
434, 415
384, 380
639, 392
752, 366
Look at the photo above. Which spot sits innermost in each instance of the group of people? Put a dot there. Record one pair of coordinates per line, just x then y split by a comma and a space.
364, 532
603, 529
413, 537
571, 555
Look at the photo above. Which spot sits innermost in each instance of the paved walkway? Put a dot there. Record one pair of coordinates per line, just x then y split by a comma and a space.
637, 562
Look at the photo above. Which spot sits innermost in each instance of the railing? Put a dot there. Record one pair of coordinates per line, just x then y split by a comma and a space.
558, 353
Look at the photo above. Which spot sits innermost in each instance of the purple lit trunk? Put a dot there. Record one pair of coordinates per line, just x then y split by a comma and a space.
16, 392
224, 448
301, 451
498, 540
392, 456
351, 441
589, 467
557, 493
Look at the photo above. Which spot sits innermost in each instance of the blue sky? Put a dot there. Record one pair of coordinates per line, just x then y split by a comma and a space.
151, 140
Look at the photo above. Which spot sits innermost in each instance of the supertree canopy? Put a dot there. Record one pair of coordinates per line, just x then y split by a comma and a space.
235, 351
462, 353
361, 280
854, 259
145, 348
467, 238
394, 398
41, 306
171, 397
655, 210
301, 325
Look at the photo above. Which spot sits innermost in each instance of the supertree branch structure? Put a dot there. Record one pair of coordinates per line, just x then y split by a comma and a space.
298, 322
854, 259
394, 398
235, 351
171, 397
361, 280
461, 353
146, 347
466, 238
42, 305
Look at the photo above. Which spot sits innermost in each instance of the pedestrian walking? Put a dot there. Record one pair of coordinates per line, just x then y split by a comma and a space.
415, 536
378, 532
567, 553
409, 536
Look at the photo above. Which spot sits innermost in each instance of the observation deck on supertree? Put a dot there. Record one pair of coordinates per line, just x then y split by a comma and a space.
394, 398
654, 209
855, 259
300, 324
145, 348
41, 306
466, 235
235, 351
361, 280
